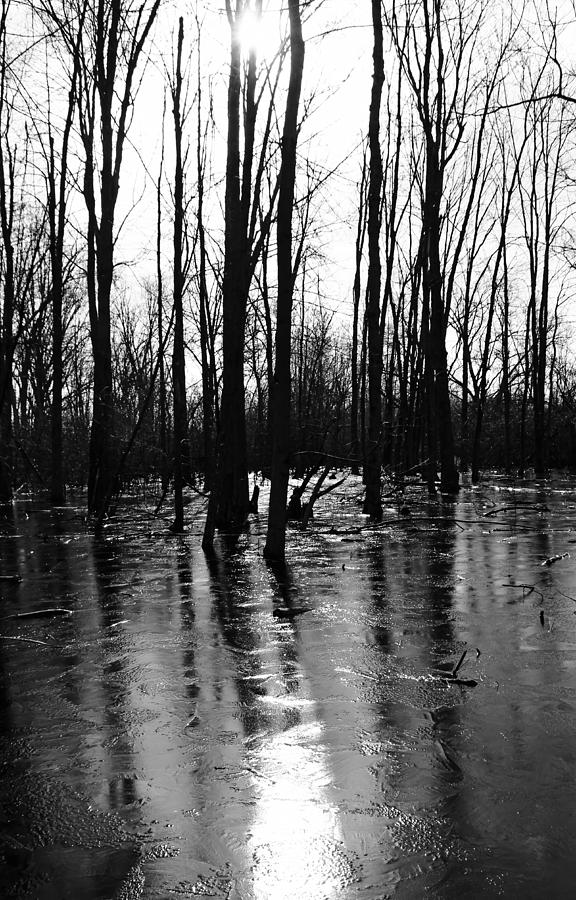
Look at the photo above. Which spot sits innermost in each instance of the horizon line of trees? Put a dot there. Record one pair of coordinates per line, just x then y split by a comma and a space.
452, 353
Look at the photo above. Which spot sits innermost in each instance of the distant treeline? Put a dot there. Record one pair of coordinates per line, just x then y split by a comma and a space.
449, 347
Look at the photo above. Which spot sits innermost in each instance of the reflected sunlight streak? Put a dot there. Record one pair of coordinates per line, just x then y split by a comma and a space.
296, 841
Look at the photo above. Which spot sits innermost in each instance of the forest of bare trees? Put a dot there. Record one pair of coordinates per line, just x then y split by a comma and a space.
195, 289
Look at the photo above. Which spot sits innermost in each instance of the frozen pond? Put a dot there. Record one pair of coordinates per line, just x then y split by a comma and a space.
173, 729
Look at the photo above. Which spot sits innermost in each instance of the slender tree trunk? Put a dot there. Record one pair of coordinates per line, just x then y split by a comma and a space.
449, 479
178, 359
208, 387
466, 362
391, 226
525, 396
93, 450
430, 429
399, 443
414, 365
363, 393
482, 389
269, 337
276, 535
57, 226
57, 489
551, 168
356, 297
506, 204
372, 463
103, 423
465, 400
229, 499
162, 400
7, 323
506, 368
104, 105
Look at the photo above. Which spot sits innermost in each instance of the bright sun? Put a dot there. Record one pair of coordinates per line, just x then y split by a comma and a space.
259, 33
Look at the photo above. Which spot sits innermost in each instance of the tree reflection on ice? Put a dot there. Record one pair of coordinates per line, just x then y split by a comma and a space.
175, 732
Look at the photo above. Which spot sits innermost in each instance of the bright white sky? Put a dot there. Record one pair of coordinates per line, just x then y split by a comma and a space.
337, 72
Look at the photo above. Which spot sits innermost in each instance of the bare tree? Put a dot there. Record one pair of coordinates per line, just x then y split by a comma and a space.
243, 243
57, 182
109, 53
209, 388
162, 392
7, 202
181, 452
372, 462
542, 219
437, 59
22, 248
356, 298
276, 534
229, 498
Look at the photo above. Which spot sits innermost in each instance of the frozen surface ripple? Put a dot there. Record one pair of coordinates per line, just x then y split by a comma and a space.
391, 716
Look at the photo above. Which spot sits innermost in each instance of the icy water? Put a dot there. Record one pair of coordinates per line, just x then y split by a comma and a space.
173, 726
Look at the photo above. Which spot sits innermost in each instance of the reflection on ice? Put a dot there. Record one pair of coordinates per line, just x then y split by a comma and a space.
189, 742
296, 840
288, 701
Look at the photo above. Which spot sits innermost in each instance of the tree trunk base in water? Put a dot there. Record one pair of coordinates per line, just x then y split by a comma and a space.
253, 507
450, 487
373, 509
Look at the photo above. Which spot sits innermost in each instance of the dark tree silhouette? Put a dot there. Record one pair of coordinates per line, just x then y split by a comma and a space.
276, 535
373, 458
180, 453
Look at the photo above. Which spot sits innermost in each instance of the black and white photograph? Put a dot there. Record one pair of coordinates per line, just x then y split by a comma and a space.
287, 449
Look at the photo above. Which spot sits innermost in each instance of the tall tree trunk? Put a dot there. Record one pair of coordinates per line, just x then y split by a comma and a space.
428, 394
180, 446
506, 367
103, 423
108, 68
57, 489
550, 163
7, 323
276, 535
162, 399
208, 387
372, 462
356, 297
229, 499
525, 397
449, 479
57, 225
91, 290
465, 399
269, 338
